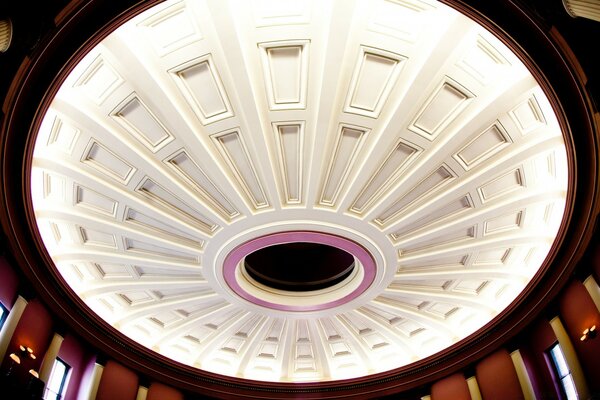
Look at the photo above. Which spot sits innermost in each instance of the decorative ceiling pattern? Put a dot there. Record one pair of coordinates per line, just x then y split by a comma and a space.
398, 126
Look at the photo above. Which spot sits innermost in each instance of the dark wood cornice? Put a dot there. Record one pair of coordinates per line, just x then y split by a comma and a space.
83, 24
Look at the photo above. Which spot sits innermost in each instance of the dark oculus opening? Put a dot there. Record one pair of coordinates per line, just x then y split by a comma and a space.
299, 266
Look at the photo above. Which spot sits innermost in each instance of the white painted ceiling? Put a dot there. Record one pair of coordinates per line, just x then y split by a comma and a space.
399, 125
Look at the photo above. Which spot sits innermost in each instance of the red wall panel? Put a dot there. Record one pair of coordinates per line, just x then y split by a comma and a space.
34, 330
73, 353
158, 391
453, 387
117, 383
577, 312
9, 284
86, 377
536, 342
497, 377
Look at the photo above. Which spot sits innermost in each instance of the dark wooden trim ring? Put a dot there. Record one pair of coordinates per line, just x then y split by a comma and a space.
83, 24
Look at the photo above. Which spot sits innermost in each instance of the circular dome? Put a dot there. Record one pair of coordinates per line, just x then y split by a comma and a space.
399, 132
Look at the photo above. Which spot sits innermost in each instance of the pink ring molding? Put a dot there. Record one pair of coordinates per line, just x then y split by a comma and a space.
234, 258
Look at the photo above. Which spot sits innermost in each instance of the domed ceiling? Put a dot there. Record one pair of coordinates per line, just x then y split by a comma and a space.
391, 161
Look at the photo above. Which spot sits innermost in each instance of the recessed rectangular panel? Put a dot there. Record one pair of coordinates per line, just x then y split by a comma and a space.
285, 73
381, 180
164, 294
357, 324
492, 257
152, 250
470, 286
289, 138
275, 331
55, 187
114, 271
233, 345
430, 183
443, 310
166, 318
201, 86
434, 241
236, 155
410, 328
99, 80
504, 223
507, 183
548, 166
60, 232
375, 341
63, 135
285, 66
268, 350
302, 332
220, 319
305, 366
445, 210
160, 226
528, 115
440, 109
330, 330
304, 351
485, 145
94, 201
186, 167
97, 238
281, 12
340, 349
348, 144
154, 191
134, 297
374, 77
399, 18
416, 284
404, 301
380, 314
249, 326
171, 29
107, 162
483, 61
443, 262
142, 124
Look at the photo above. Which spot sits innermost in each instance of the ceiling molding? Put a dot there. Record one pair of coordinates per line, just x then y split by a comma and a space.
33, 84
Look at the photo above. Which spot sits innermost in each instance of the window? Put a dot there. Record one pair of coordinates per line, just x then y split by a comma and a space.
3, 314
562, 372
57, 383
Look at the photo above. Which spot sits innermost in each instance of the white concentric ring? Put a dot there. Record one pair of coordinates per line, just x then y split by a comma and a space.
335, 296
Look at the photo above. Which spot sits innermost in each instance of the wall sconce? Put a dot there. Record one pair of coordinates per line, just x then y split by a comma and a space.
24, 354
27, 352
589, 333
15, 358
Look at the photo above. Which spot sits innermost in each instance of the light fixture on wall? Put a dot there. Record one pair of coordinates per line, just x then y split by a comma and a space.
589, 333
25, 353
15, 358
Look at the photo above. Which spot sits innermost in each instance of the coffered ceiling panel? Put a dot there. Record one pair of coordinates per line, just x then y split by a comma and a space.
199, 132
